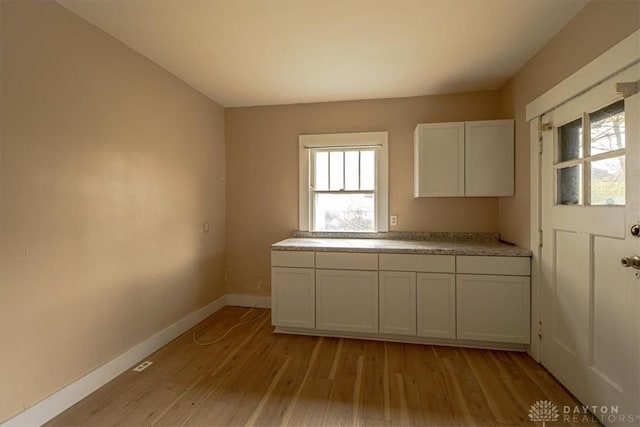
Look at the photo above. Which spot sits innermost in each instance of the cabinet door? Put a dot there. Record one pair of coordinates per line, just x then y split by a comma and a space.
293, 297
347, 300
439, 160
493, 308
436, 305
489, 158
398, 302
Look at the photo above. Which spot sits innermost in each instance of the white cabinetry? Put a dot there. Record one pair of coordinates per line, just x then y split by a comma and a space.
347, 292
347, 300
491, 305
398, 302
436, 305
439, 160
464, 159
413, 302
414, 297
293, 289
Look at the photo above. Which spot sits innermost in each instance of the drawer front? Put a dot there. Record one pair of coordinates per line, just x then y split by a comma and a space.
421, 263
513, 266
346, 261
292, 259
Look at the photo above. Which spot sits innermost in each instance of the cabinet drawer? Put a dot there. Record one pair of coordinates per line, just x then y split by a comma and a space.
513, 266
292, 259
346, 261
420, 263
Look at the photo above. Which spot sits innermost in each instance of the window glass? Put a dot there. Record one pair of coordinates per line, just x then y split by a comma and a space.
321, 167
367, 170
570, 185
351, 170
607, 129
570, 141
607, 181
344, 212
336, 170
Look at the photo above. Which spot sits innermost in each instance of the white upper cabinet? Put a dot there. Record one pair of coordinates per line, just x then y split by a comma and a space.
488, 167
470, 159
439, 160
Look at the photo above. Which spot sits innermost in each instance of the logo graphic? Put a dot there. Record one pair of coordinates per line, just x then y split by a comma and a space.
543, 411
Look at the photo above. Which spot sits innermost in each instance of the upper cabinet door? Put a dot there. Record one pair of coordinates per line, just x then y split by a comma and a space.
439, 160
489, 158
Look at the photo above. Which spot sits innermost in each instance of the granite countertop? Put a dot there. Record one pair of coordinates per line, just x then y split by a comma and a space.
456, 245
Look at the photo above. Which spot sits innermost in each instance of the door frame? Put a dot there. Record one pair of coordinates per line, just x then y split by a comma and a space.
618, 58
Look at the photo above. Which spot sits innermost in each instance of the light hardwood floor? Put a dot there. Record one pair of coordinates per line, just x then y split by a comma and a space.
255, 377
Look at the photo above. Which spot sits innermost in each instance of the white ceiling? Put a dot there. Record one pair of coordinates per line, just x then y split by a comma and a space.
264, 52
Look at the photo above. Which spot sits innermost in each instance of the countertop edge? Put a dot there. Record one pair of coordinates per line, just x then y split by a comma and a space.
477, 250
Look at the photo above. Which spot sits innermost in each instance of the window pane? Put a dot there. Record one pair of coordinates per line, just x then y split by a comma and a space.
321, 181
570, 141
351, 170
336, 170
607, 182
607, 129
570, 185
344, 212
367, 170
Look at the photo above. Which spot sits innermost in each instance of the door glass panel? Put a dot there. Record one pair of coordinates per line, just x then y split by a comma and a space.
570, 141
607, 129
570, 185
321, 168
607, 181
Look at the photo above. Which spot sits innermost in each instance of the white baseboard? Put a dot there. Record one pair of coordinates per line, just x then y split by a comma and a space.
53, 405
248, 301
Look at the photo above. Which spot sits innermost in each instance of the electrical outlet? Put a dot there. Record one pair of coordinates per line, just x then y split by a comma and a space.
394, 219
205, 227
141, 367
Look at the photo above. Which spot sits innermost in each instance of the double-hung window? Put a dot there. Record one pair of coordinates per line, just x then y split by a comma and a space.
344, 182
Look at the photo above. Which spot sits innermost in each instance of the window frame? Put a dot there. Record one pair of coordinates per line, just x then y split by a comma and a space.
584, 159
355, 140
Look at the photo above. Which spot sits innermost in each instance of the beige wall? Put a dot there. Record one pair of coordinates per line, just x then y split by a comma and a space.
109, 166
600, 25
262, 177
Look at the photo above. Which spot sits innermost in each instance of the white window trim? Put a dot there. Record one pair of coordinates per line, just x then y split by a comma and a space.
307, 142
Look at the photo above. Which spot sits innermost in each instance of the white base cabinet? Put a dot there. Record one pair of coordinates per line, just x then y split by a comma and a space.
468, 300
493, 308
293, 289
436, 305
347, 300
398, 302
293, 297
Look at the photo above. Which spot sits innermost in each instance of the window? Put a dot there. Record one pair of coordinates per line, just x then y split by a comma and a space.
343, 182
590, 166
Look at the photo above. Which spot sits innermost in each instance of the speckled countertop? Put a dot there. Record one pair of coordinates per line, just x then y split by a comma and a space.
420, 243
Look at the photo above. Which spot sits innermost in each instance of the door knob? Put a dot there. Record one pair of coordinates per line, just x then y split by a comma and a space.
633, 261
635, 230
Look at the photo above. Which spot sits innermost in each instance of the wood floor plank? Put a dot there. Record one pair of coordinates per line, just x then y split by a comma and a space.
251, 376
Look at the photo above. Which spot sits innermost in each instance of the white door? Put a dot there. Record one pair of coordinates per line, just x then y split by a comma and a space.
590, 303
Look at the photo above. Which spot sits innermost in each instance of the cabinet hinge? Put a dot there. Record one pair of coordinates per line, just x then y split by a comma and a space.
540, 145
540, 238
